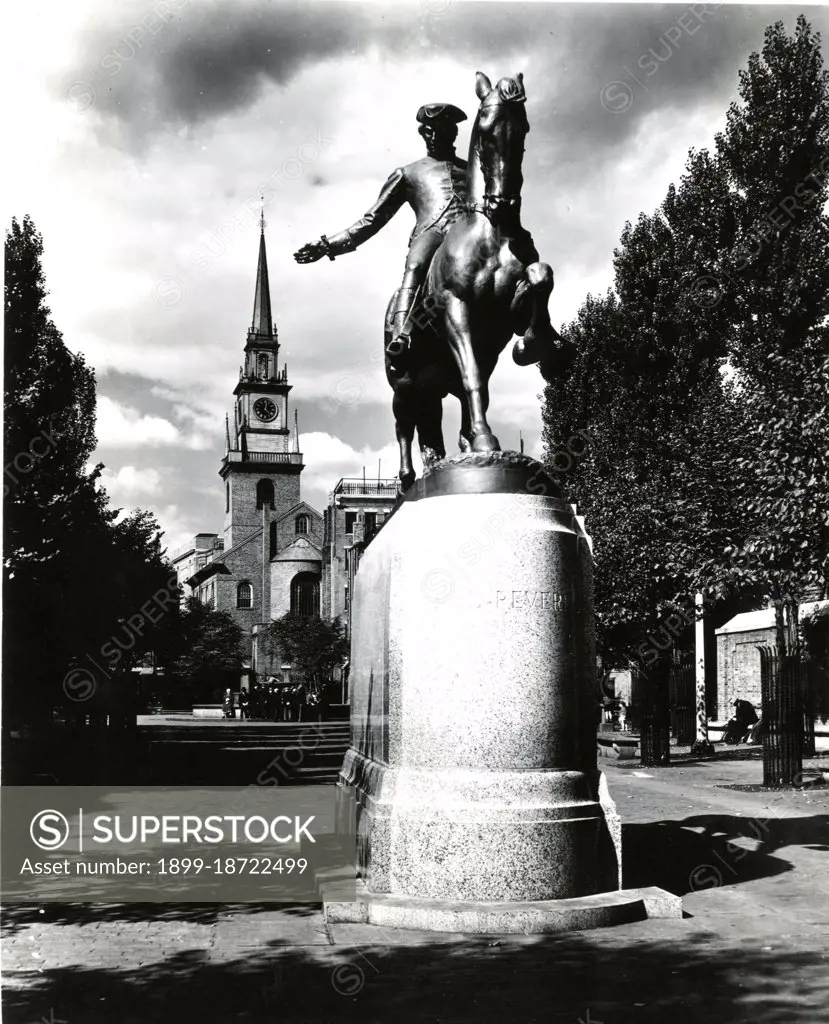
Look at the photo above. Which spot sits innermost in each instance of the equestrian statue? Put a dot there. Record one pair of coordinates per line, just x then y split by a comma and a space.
472, 280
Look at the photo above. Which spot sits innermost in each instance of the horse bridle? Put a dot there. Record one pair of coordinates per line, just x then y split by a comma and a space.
492, 202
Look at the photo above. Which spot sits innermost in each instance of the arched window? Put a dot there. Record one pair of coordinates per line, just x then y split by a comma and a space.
302, 524
305, 594
264, 494
263, 365
227, 496
244, 596
272, 540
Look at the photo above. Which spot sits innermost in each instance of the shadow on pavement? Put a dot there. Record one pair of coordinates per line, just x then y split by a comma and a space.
646, 973
587, 977
19, 916
710, 850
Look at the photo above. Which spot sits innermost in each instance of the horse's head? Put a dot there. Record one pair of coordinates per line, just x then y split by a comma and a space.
498, 142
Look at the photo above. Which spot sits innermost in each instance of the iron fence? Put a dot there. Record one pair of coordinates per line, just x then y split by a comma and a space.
783, 683
682, 686
651, 704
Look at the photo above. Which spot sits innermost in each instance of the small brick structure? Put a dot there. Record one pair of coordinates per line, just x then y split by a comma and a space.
738, 660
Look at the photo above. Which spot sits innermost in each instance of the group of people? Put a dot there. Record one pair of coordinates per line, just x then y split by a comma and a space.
276, 702
616, 713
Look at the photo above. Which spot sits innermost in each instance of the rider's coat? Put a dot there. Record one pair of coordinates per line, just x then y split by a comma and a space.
435, 190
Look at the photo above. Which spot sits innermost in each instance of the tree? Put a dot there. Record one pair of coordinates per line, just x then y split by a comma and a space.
310, 644
649, 361
75, 578
775, 148
47, 388
702, 380
732, 273
775, 151
210, 647
49, 496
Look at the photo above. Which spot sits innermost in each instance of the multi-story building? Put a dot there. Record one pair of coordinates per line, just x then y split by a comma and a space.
356, 509
194, 555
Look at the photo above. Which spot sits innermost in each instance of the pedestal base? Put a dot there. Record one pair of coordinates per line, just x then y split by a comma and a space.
473, 747
517, 918
478, 834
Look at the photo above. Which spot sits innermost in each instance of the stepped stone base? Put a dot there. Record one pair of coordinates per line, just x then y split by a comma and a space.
519, 918
495, 835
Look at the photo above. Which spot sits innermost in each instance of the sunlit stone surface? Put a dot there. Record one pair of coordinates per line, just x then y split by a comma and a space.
473, 702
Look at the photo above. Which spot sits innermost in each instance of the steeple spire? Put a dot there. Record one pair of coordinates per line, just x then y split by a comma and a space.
262, 325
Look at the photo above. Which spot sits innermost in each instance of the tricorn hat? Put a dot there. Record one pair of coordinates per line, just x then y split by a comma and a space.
430, 113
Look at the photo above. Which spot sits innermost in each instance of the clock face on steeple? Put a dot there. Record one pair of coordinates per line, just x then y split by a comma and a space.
265, 409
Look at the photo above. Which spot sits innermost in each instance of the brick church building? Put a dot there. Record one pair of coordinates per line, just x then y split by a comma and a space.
268, 559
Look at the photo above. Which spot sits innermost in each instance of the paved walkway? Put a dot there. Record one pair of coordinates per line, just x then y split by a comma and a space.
755, 948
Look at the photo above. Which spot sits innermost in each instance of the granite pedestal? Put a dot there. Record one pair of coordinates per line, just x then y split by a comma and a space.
473, 748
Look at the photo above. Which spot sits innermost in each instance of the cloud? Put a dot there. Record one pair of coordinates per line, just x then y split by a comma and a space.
130, 483
328, 458
148, 197
174, 63
593, 70
179, 526
122, 426
119, 426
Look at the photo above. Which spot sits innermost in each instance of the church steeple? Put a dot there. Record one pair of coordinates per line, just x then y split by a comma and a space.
262, 325
261, 468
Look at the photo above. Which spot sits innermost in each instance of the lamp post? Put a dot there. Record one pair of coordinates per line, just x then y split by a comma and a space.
702, 745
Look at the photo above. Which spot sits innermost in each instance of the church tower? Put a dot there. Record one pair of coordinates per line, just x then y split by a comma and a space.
262, 463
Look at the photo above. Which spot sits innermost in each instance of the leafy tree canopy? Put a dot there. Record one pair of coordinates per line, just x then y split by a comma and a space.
701, 379
313, 646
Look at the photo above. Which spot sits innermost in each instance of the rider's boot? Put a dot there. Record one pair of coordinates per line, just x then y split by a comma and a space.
398, 345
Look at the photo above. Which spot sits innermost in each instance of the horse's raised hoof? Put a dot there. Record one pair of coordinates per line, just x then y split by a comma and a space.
406, 480
485, 442
524, 354
536, 345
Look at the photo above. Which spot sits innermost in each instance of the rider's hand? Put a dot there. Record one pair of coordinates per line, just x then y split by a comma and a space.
310, 253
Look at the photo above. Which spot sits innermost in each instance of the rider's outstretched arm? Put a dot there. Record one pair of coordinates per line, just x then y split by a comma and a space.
392, 197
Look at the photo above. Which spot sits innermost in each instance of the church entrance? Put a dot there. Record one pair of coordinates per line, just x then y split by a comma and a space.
305, 594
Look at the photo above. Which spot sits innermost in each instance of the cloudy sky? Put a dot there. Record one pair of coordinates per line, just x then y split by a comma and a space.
147, 130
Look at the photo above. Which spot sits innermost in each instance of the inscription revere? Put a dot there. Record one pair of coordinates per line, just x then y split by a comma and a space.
527, 600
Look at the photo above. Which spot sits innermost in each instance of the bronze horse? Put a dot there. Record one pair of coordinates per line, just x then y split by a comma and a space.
485, 285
